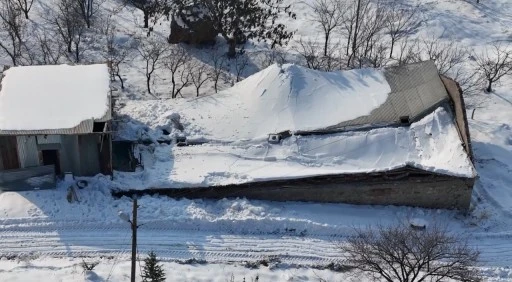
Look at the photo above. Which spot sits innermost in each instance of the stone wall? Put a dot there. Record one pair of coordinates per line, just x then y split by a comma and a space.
422, 190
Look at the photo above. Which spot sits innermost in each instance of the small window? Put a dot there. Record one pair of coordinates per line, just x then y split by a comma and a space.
98, 127
405, 120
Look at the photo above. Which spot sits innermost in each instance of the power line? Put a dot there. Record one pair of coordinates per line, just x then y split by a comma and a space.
116, 260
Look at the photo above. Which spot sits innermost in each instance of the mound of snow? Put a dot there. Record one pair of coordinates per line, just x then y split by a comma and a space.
296, 98
277, 99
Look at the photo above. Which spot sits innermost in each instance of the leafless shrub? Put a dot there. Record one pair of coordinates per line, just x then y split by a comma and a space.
151, 50
446, 55
314, 59
13, 26
177, 62
400, 22
24, 6
218, 62
376, 56
494, 63
329, 15
241, 63
199, 75
272, 57
401, 253
88, 266
409, 51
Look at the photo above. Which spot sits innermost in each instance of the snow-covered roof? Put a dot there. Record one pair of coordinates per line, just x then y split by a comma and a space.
297, 99
58, 99
431, 144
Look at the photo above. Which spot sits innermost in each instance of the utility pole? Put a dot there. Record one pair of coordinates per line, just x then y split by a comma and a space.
134, 238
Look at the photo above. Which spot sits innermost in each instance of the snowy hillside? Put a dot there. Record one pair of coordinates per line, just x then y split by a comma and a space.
43, 235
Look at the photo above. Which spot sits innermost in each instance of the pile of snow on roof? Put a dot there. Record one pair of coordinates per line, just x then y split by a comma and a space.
277, 99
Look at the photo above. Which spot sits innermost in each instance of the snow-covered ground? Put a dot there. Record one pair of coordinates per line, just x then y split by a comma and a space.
43, 235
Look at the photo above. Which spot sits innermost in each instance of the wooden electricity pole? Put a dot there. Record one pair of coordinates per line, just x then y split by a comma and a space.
134, 238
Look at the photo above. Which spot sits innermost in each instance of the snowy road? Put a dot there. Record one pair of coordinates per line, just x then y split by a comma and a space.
100, 240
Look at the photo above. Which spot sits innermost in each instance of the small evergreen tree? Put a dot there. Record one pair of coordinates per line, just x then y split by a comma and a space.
153, 271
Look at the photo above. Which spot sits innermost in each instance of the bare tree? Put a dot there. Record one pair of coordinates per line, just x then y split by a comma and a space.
87, 9
329, 15
24, 6
372, 23
49, 51
400, 22
150, 8
470, 81
13, 26
77, 46
68, 24
151, 50
241, 63
350, 18
218, 62
401, 253
362, 23
494, 64
199, 75
115, 55
446, 55
176, 62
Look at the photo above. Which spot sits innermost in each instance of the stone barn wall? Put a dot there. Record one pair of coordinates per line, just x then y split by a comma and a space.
399, 188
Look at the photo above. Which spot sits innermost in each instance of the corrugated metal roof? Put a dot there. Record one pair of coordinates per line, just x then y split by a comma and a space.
84, 127
415, 90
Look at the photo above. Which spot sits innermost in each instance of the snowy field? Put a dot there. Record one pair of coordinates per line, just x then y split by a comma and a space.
43, 235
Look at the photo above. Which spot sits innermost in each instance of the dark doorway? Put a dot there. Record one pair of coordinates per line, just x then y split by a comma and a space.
9, 152
51, 157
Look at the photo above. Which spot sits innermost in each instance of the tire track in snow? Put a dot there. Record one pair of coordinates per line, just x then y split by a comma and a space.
72, 240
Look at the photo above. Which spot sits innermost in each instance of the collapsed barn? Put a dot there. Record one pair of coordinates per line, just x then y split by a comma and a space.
397, 136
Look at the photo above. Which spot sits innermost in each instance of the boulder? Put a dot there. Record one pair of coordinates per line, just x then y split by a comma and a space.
190, 25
